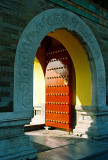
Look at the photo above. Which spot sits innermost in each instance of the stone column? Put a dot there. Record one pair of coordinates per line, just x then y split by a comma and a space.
91, 122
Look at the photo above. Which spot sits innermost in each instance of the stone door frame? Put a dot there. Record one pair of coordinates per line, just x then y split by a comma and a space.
29, 42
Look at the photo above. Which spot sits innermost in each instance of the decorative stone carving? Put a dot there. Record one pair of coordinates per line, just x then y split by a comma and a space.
29, 42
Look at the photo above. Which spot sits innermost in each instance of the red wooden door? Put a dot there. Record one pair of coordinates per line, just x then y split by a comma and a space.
58, 89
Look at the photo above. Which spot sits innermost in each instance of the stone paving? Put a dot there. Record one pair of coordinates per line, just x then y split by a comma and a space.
59, 145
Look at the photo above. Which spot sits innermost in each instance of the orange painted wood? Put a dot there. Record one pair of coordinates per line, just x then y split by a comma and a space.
58, 89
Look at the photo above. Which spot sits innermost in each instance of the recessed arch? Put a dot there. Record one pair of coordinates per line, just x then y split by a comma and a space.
81, 65
29, 42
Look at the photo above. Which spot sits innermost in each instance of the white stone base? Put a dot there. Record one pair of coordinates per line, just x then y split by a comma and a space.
38, 119
91, 123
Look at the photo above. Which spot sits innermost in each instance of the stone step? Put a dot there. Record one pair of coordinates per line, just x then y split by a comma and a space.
29, 127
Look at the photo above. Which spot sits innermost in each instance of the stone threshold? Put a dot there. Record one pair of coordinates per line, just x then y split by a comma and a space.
33, 127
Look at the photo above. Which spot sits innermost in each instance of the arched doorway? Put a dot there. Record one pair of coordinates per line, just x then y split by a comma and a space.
60, 83
38, 28
81, 83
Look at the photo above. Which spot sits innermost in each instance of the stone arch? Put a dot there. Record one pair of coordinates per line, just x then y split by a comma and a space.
29, 42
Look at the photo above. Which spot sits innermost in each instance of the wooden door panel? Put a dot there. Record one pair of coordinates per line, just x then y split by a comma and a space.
58, 89
55, 88
59, 108
56, 98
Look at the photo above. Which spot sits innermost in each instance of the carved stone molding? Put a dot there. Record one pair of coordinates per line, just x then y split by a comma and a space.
29, 42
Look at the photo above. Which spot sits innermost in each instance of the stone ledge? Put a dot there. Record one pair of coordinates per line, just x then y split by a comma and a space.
15, 145
93, 109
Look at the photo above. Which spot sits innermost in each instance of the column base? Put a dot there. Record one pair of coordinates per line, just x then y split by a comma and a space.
91, 123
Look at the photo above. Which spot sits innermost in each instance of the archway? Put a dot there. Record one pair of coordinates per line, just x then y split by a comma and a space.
39, 74
30, 40
37, 29
81, 96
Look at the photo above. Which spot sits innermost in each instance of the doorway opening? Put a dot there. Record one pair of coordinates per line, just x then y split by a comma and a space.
54, 86
52, 72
